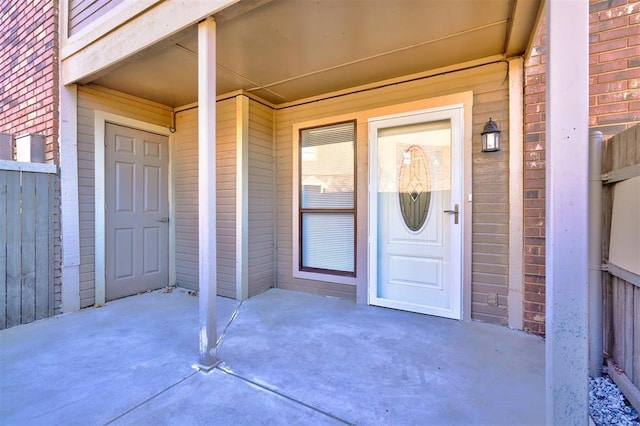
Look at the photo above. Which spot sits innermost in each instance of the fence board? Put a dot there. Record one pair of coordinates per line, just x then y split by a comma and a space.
607, 313
42, 246
628, 329
3, 248
618, 321
53, 183
636, 337
13, 250
28, 247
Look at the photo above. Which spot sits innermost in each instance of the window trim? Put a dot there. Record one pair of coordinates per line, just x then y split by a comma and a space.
319, 274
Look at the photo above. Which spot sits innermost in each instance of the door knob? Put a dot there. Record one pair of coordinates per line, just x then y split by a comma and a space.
455, 211
163, 219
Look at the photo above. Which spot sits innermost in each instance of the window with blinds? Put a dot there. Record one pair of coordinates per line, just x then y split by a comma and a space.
327, 199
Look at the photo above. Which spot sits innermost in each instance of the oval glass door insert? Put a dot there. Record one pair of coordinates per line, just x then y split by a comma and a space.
414, 187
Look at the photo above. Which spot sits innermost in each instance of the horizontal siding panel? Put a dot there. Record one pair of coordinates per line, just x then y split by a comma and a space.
186, 197
261, 207
84, 12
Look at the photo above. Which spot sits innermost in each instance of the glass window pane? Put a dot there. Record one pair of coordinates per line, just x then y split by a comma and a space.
326, 167
328, 241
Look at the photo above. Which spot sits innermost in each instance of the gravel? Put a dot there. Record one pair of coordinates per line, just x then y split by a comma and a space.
608, 406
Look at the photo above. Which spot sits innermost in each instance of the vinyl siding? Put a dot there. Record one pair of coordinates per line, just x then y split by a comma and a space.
186, 196
261, 198
90, 99
83, 12
489, 174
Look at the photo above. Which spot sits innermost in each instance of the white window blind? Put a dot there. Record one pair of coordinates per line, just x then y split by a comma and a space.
327, 206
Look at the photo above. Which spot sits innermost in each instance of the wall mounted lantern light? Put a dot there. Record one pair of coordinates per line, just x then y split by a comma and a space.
490, 137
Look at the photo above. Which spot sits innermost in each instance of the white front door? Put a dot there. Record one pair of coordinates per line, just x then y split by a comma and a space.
415, 212
137, 211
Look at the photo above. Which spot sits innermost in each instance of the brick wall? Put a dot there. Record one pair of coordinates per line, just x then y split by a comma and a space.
29, 70
534, 186
614, 101
29, 83
614, 65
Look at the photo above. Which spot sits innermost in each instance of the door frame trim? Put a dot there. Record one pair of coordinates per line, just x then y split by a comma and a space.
464, 101
101, 119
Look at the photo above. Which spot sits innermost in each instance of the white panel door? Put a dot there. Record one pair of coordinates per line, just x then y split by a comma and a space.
415, 211
137, 211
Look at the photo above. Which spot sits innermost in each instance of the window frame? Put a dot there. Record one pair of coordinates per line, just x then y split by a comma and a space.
321, 274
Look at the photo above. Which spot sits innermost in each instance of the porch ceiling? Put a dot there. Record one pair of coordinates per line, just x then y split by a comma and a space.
286, 50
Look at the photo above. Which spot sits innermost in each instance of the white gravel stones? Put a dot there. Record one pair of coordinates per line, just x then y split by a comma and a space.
607, 404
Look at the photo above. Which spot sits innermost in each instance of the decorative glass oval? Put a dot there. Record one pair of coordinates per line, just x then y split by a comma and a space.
414, 187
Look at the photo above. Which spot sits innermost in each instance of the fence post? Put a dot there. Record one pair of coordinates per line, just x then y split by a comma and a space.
595, 254
6, 146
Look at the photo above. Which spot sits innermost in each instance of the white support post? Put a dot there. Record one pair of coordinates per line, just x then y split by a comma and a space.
207, 192
567, 206
242, 197
68, 143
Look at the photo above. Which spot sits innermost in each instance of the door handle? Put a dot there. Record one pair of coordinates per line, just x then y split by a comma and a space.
163, 219
455, 211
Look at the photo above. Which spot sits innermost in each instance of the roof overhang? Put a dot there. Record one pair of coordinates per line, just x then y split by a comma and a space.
286, 50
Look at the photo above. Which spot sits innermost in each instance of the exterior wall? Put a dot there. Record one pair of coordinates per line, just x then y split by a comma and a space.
186, 196
83, 12
534, 187
226, 197
90, 99
29, 71
614, 99
185, 187
490, 180
29, 88
614, 66
261, 198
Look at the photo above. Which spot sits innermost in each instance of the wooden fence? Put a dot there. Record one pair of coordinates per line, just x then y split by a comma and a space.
621, 287
27, 193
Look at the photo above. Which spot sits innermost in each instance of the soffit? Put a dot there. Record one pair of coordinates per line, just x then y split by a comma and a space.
286, 50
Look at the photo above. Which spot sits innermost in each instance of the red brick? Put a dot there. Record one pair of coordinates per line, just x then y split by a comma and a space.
596, 6
607, 67
620, 11
610, 45
628, 74
624, 96
534, 307
629, 52
608, 108
617, 35
608, 24
618, 118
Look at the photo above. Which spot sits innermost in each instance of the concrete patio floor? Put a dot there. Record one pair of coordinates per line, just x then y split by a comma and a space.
288, 358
